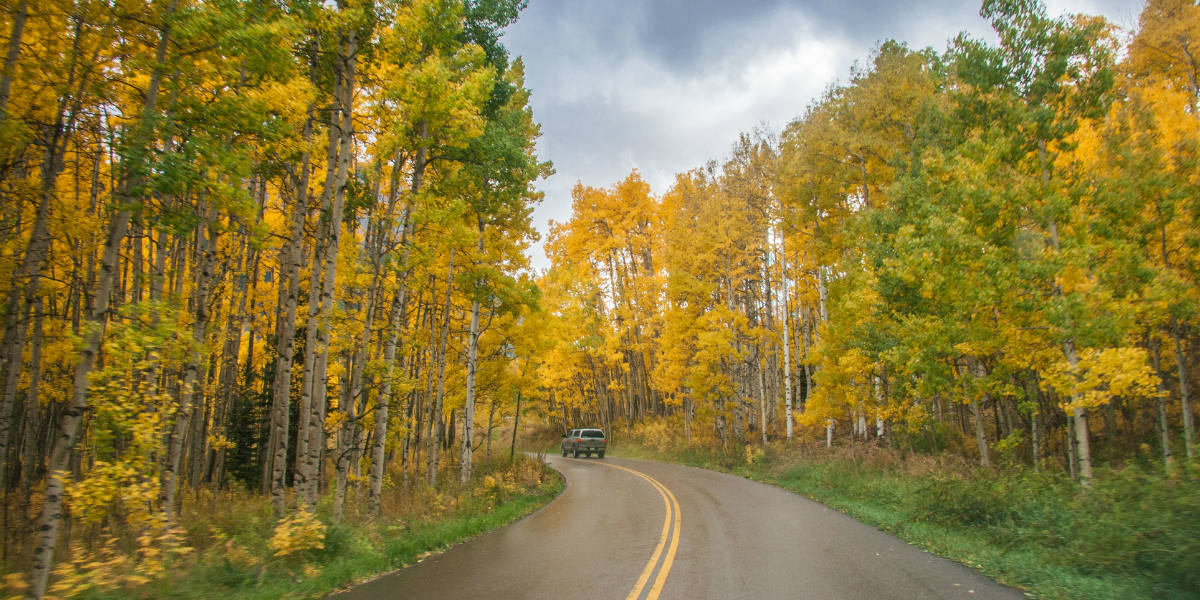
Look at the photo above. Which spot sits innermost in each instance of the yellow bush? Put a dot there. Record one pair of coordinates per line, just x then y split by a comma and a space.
239, 556
299, 532
108, 568
656, 434
753, 454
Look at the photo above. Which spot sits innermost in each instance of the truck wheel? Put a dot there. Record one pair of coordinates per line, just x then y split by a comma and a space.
575, 454
601, 455
564, 450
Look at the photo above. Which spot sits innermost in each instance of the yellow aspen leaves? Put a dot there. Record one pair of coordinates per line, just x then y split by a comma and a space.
298, 533
1103, 375
111, 567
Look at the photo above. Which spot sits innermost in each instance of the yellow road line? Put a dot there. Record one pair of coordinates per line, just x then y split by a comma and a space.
670, 559
671, 505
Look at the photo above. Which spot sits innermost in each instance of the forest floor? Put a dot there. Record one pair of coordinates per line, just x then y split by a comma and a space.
234, 548
1135, 533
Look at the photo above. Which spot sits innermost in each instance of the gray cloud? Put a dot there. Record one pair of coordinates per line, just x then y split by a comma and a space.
665, 85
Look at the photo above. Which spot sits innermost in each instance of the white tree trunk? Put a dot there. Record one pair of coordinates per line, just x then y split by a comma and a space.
52, 507
1083, 447
978, 371
341, 134
1185, 400
206, 256
472, 367
762, 403
1161, 403
787, 350
435, 440
285, 340
1037, 439
469, 408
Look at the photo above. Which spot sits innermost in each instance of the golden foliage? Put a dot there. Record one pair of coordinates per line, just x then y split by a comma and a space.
298, 533
1102, 375
156, 552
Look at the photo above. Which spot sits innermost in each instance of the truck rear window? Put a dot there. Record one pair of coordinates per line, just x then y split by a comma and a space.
594, 433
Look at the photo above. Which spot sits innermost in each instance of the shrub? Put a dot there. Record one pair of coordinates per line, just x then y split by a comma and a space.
299, 534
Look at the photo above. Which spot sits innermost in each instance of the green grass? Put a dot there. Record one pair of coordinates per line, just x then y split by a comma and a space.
1134, 534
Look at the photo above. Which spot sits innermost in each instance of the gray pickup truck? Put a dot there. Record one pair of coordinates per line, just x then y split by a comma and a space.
585, 442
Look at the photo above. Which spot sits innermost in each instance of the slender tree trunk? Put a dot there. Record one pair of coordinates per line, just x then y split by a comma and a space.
979, 372
206, 254
341, 135
43, 554
13, 363
472, 366
762, 402
1072, 460
11, 56
1185, 401
512, 449
430, 374
1164, 427
348, 455
985, 459
1082, 441
285, 340
382, 402
30, 452
235, 326
787, 351
305, 470
1036, 434
377, 237
347, 438
491, 417
196, 439
51, 517
25, 287
687, 419
384, 399
436, 416
822, 296
1068, 347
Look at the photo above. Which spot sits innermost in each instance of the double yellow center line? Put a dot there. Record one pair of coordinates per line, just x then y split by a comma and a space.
669, 540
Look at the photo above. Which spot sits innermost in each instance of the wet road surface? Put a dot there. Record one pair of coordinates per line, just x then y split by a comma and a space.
637, 529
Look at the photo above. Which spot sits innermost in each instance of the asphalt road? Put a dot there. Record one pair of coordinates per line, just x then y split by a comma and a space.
636, 529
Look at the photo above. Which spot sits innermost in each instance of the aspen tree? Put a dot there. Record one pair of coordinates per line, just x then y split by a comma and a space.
131, 181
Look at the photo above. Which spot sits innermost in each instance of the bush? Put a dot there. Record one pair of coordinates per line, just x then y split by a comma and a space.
1138, 521
933, 437
981, 501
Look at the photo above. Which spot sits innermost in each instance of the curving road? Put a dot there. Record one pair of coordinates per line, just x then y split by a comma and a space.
635, 529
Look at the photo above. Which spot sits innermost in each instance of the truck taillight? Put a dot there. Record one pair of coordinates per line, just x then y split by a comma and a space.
578, 440
605, 440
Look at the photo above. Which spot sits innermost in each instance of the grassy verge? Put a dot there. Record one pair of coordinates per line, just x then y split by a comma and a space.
1134, 534
235, 542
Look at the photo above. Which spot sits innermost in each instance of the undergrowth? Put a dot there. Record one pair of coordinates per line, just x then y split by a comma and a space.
238, 550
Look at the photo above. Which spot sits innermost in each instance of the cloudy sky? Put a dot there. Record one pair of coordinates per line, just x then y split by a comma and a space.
666, 85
